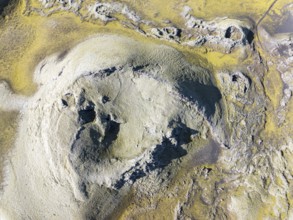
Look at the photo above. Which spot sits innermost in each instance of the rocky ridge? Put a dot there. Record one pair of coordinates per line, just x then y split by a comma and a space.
221, 34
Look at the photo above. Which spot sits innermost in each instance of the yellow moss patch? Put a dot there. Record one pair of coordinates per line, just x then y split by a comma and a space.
265, 210
198, 209
220, 60
165, 9
274, 90
273, 87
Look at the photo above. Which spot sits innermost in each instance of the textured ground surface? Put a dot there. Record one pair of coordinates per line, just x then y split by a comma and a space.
146, 110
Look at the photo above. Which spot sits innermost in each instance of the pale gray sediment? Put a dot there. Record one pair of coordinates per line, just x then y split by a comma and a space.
113, 115
99, 120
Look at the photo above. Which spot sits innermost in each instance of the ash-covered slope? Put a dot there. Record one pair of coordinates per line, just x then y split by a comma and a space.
108, 113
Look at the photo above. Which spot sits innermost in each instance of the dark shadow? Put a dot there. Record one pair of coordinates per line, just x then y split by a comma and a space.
95, 135
120, 183
3, 4
64, 102
86, 116
83, 189
62, 55
181, 133
112, 132
163, 154
206, 96
228, 32
105, 72
105, 99
139, 67
137, 174
249, 35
